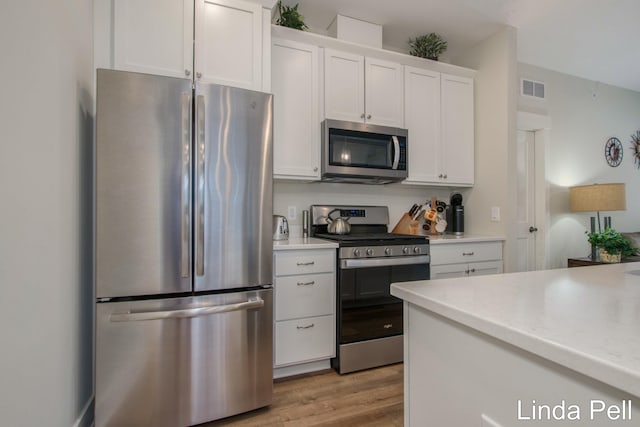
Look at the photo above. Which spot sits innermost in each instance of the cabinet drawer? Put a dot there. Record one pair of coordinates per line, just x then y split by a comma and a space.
304, 340
467, 252
304, 262
304, 296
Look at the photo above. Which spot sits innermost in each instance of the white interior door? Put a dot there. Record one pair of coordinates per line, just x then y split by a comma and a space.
525, 202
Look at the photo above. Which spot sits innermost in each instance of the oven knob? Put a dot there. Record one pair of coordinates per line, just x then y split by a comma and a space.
405, 250
387, 251
356, 252
369, 252
416, 250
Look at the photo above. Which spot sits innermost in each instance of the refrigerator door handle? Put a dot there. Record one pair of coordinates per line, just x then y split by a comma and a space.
185, 251
252, 303
200, 142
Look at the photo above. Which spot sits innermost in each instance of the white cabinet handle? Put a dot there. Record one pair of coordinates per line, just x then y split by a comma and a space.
313, 282
305, 327
305, 263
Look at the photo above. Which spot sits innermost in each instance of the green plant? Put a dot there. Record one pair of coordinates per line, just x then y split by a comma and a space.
612, 242
290, 17
427, 46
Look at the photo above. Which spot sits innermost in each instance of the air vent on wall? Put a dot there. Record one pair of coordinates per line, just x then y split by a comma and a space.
532, 88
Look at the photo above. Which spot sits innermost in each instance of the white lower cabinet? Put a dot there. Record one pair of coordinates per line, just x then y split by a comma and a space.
459, 259
305, 301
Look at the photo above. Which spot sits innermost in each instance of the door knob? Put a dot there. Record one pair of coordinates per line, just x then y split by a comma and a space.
533, 229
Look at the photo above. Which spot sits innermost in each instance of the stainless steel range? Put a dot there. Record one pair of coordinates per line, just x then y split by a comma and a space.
369, 326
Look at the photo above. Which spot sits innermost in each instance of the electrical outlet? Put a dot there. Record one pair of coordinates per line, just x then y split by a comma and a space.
292, 213
495, 214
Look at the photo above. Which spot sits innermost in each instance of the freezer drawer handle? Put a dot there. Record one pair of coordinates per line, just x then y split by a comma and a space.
188, 313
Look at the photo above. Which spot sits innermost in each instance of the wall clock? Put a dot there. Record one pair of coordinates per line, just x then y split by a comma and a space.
613, 151
635, 146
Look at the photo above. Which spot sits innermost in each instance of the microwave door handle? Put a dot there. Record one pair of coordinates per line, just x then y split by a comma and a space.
396, 152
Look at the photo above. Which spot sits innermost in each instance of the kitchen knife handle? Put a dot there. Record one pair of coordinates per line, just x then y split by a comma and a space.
200, 143
185, 226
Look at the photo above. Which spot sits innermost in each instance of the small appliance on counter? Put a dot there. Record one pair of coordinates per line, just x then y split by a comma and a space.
280, 228
455, 215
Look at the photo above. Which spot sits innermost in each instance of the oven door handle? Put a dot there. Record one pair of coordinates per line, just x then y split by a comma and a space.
383, 262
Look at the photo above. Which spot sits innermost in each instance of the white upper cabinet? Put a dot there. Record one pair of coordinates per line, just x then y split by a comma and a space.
158, 37
458, 130
154, 37
422, 119
228, 43
439, 116
362, 89
296, 117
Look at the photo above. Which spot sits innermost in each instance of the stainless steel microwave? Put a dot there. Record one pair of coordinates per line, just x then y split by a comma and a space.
363, 153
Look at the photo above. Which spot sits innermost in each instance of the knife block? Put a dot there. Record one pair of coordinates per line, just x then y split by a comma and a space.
406, 225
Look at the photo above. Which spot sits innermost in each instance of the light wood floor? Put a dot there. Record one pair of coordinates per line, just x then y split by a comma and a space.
368, 398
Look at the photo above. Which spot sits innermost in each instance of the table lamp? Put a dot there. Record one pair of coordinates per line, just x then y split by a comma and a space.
597, 197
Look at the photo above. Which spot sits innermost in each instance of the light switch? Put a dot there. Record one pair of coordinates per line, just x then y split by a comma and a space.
292, 213
495, 214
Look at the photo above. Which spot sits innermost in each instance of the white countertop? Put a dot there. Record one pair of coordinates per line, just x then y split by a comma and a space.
303, 243
465, 238
586, 318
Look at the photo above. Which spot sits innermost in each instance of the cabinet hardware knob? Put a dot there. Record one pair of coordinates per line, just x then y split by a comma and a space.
362, 116
305, 327
466, 272
445, 176
315, 169
473, 270
306, 283
198, 75
533, 229
368, 116
467, 253
187, 73
305, 263
440, 176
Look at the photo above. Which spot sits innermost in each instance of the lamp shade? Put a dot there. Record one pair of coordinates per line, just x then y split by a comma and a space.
597, 197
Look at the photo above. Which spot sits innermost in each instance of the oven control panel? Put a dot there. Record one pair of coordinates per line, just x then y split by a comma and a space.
383, 251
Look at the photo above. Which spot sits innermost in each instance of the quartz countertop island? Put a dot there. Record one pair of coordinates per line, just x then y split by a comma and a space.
580, 327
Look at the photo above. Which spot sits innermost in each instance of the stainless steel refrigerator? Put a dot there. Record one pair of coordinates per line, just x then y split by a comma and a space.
183, 251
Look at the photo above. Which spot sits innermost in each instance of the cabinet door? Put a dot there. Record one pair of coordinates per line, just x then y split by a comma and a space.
296, 124
343, 86
228, 43
153, 36
422, 119
383, 93
457, 130
449, 271
484, 268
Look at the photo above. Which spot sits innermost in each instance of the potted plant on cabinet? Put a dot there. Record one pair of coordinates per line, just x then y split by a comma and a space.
611, 244
428, 46
290, 17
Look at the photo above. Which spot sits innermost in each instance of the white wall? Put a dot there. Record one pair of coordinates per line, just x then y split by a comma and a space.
584, 114
495, 114
46, 291
398, 197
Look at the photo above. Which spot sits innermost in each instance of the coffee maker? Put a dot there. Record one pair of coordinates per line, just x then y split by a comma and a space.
455, 215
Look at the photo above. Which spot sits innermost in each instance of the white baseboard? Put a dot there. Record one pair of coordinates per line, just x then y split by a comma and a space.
303, 368
86, 416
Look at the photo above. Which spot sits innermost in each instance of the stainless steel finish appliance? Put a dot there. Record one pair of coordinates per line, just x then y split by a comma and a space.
280, 228
369, 327
183, 251
363, 153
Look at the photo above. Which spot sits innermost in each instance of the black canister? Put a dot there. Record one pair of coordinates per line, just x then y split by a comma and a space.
457, 220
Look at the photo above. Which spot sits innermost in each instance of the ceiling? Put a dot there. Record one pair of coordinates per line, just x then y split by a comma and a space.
593, 39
